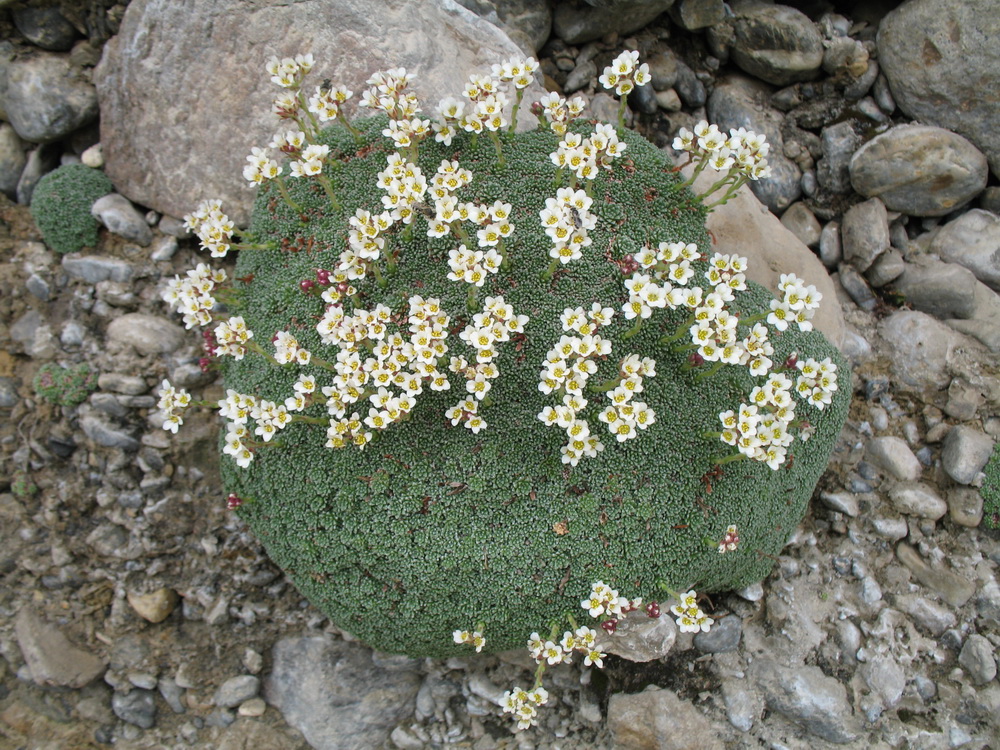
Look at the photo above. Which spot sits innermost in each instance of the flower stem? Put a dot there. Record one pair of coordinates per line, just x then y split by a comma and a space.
327, 184
497, 147
283, 189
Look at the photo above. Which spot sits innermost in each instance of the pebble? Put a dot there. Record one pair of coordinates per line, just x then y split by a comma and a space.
676, 724
131, 385
723, 637
163, 249
839, 142
12, 160
49, 655
776, 43
965, 452
918, 499
885, 678
575, 24
46, 98
154, 606
95, 268
663, 70
643, 99
252, 707
976, 658
253, 661
894, 456
842, 502
103, 433
752, 593
919, 170
640, 639
944, 290
172, 693
118, 214
888, 267
136, 707
580, 77
691, 90
857, 288
807, 697
973, 241
148, 334
44, 26
829, 244
743, 706
235, 690
668, 100
952, 587
965, 507
864, 233
802, 223
693, 15
928, 614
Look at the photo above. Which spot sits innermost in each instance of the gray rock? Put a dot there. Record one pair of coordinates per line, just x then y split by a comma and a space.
846, 57
34, 335
802, 223
842, 502
777, 44
164, 248
738, 101
862, 84
12, 160
988, 603
956, 590
50, 656
576, 22
839, 142
41, 161
643, 99
668, 100
105, 434
46, 98
72, 334
689, 86
894, 456
857, 288
161, 54
136, 707
44, 26
148, 334
723, 637
940, 59
38, 286
888, 267
926, 613
965, 507
893, 529
743, 706
919, 170
663, 70
917, 499
527, 22
131, 385
692, 15
984, 322
864, 233
989, 199
332, 692
885, 678
883, 94
829, 244
8, 392
640, 638
580, 77
944, 290
965, 452
809, 698
657, 718
976, 658
235, 690
118, 214
921, 349
95, 268
972, 240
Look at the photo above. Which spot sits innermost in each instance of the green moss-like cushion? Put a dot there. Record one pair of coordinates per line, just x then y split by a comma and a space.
431, 528
60, 206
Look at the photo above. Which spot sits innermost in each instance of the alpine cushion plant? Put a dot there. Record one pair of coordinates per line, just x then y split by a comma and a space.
471, 372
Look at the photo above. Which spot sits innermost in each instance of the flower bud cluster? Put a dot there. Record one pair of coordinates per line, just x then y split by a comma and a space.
744, 152
524, 704
326, 102
624, 415
288, 72
761, 429
817, 381
652, 287
798, 303
560, 113
191, 294
261, 167
690, 618
232, 337
625, 73
567, 221
730, 541
586, 156
213, 228
172, 402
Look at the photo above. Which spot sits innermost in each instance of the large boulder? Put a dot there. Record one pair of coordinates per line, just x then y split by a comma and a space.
942, 62
184, 96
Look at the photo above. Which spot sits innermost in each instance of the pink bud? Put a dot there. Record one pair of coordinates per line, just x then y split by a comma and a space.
234, 501
306, 285
653, 610
610, 626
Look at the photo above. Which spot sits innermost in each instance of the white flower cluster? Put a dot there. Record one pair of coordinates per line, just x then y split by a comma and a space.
567, 220
232, 337
473, 638
191, 294
743, 150
269, 417
730, 541
798, 303
624, 415
560, 113
261, 167
582, 639
519, 72
288, 351
566, 369
213, 228
817, 381
289, 71
388, 93
604, 600
760, 429
326, 102
690, 618
395, 361
172, 402
405, 187
665, 267
494, 325
586, 156
625, 73
524, 704
310, 161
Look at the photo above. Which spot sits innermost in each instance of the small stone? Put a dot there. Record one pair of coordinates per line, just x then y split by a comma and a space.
155, 606
235, 690
857, 287
838, 142
776, 43
580, 77
864, 233
829, 244
640, 639
44, 26
51, 658
918, 499
894, 456
38, 286
976, 658
663, 70
743, 706
93, 157
148, 334
888, 267
689, 86
46, 98
885, 678
252, 707
172, 694
723, 637
965, 507
131, 385
95, 268
643, 99
752, 593
950, 586
137, 707
668, 100
802, 223
944, 290
253, 661
105, 434
842, 502
657, 718
164, 248
118, 214
692, 15
928, 614
966, 451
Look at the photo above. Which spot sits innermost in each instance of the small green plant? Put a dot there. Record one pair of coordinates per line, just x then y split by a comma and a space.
471, 372
22, 486
991, 490
65, 386
61, 206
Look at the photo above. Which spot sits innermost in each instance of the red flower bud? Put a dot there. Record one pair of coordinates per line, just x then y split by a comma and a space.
323, 276
234, 501
696, 359
610, 626
653, 610
306, 285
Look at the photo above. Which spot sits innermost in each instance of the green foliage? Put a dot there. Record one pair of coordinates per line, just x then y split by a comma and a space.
991, 490
61, 205
22, 486
431, 528
65, 386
